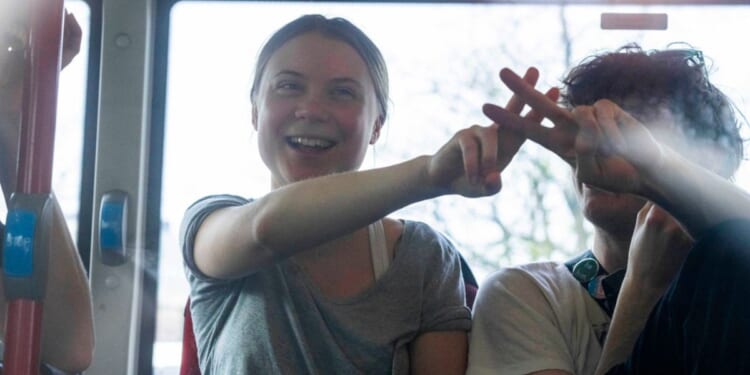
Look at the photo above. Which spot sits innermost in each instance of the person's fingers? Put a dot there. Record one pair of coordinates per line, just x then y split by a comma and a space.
666, 223
488, 148
534, 98
589, 136
586, 143
509, 141
531, 129
643, 213
470, 151
515, 104
661, 219
604, 113
553, 94
492, 183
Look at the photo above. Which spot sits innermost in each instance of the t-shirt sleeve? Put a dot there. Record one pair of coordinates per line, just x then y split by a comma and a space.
515, 329
444, 299
193, 219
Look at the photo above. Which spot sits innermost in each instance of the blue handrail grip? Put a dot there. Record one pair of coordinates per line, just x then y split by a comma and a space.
111, 226
18, 249
113, 216
26, 245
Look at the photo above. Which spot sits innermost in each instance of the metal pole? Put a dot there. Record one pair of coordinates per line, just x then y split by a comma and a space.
24, 318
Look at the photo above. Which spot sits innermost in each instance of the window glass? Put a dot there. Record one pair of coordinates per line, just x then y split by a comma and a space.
71, 103
443, 61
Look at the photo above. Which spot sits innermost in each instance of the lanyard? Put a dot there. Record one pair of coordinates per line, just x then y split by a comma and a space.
602, 286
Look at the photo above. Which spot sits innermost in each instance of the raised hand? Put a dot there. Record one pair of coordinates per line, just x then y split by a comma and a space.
657, 250
559, 139
471, 162
613, 149
467, 164
510, 139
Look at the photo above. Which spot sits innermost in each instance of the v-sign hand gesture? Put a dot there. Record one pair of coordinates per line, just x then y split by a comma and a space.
559, 139
471, 162
612, 146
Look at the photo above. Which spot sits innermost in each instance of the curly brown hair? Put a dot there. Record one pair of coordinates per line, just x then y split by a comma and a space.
643, 81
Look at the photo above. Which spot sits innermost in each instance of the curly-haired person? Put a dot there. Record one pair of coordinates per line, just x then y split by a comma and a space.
652, 143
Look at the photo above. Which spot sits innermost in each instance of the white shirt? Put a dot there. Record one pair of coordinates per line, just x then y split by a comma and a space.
535, 317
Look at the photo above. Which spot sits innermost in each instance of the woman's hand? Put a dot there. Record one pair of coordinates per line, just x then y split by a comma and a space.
471, 162
467, 164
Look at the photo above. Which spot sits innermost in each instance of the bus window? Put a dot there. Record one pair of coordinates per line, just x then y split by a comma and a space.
443, 61
70, 123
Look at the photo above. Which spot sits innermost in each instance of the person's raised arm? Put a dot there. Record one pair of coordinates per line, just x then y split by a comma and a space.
67, 338
233, 242
615, 152
657, 251
236, 241
445, 352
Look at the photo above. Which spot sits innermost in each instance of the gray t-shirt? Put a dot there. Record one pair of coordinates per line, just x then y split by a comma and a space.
276, 321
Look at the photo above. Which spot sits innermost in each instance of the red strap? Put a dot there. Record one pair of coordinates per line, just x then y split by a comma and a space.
189, 365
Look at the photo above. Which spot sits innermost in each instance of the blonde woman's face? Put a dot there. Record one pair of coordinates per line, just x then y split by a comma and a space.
316, 111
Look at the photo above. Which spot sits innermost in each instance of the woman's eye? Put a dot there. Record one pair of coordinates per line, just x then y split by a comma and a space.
286, 86
344, 93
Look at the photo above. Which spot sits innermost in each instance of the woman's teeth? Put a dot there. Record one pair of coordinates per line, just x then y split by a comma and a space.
310, 142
